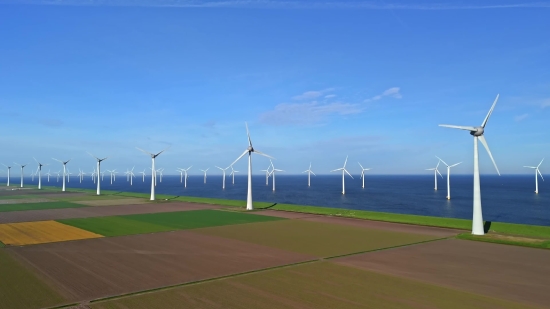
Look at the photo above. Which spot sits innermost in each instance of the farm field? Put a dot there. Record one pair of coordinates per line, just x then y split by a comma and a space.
21, 289
155, 222
31, 233
112, 202
501, 271
103, 267
318, 285
315, 238
36, 206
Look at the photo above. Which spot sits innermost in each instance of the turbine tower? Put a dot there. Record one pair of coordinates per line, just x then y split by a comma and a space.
185, 175
448, 176
537, 171
9, 168
39, 171
273, 170
153, 171
64, 171
98, 172
436, 171
233, 174
22, 167
204, 171
267, 173
343, 169
249, 151
223, 170
477, 133
363, 173
309, 172
143, 174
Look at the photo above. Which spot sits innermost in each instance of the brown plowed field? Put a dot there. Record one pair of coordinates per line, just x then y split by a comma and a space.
85, 212
283, 214
500, 271
319, 285
89, 269
25, 200
114, 202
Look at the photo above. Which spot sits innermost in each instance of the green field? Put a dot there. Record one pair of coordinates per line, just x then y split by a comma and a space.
315, 238
319, 285
37, 206
157, 222
21, 288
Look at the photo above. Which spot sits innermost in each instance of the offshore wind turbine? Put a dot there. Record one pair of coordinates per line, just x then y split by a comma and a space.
64, 171
185, 175
22, 167
58, 174
205, 174
39, 171
267, 173
32, 176
181, 174
9, 169
233, 173
309, 172
153, 171
448, 176
249, 150
436, 171
537, 171
223, 170
343, 169
363, 173
130, 174
48, 174
98, 172
143, 174
273, 170
477, 133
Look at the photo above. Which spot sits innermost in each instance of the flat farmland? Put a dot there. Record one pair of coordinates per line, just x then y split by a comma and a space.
36, 206
315, 238
166, 221
103, 267
24, 200
31, 233
507, 272
113, 202
318, 285
21, 289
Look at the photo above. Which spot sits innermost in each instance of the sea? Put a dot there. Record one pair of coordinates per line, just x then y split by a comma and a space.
506, 198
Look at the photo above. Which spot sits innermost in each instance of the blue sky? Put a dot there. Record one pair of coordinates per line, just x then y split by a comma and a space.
315, 80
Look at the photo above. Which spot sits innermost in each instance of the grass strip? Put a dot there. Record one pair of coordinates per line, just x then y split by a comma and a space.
37, 206
516, 241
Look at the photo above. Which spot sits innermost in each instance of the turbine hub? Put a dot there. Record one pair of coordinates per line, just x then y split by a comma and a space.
250, 149
479, 131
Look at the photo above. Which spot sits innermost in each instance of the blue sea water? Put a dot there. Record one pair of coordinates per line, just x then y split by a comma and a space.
507, 198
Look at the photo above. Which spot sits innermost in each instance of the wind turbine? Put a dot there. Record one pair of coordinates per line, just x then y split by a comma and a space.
448, 176
22, 167
309, 172
130, 174
249, 151
39, 171
223, 170
48, 174
98, 172
58, 174
363, 173
160, 170
153, 171
32, 176
143, 174
64, 171
205, 174
343, 169
185, 172
69, 175
536, 176
436, 171
273, 170
9, 168
477, 133
233, 173
111, 173
267, 173
181, 174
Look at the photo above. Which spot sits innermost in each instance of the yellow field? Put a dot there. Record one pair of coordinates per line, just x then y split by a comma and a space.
30, 233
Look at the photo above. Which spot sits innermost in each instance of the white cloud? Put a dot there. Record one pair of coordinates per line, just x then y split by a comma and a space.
311, 95
545, 103
393, 92
521, 117
307, 113
330, 96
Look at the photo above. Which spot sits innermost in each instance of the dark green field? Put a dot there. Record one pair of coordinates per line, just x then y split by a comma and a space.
37, 206
158, 222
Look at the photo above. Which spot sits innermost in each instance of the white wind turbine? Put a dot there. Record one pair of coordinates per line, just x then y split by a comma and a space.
9, 169
111, 173
436, 171
181, 174
448, 176
363, 173
64, 171
160, 170
143, 174
204, 171
477, 133
153, 171
98, 172
343, 169
273, 170
39, 171
249, 151
309, 172
58, 175
69, 175
223, 170
536, 176
130, 174
267, 173
233, 173
185, 175
48, 174
32, 176
22, 167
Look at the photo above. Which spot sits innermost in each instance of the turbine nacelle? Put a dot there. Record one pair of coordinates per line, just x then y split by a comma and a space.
478, 131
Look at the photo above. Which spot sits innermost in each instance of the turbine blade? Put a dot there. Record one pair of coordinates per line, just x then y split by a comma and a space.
144, 151
458, 127
430, 169
439, 174
346, 161
338, 169
361, 166
313, 173
540, 162
263, 154
245, 152
305, 171
163, 150
441, 161
484, 142
490, 112
92, 155
455, 164
248, 134
531, 166
348, 173
540, 175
